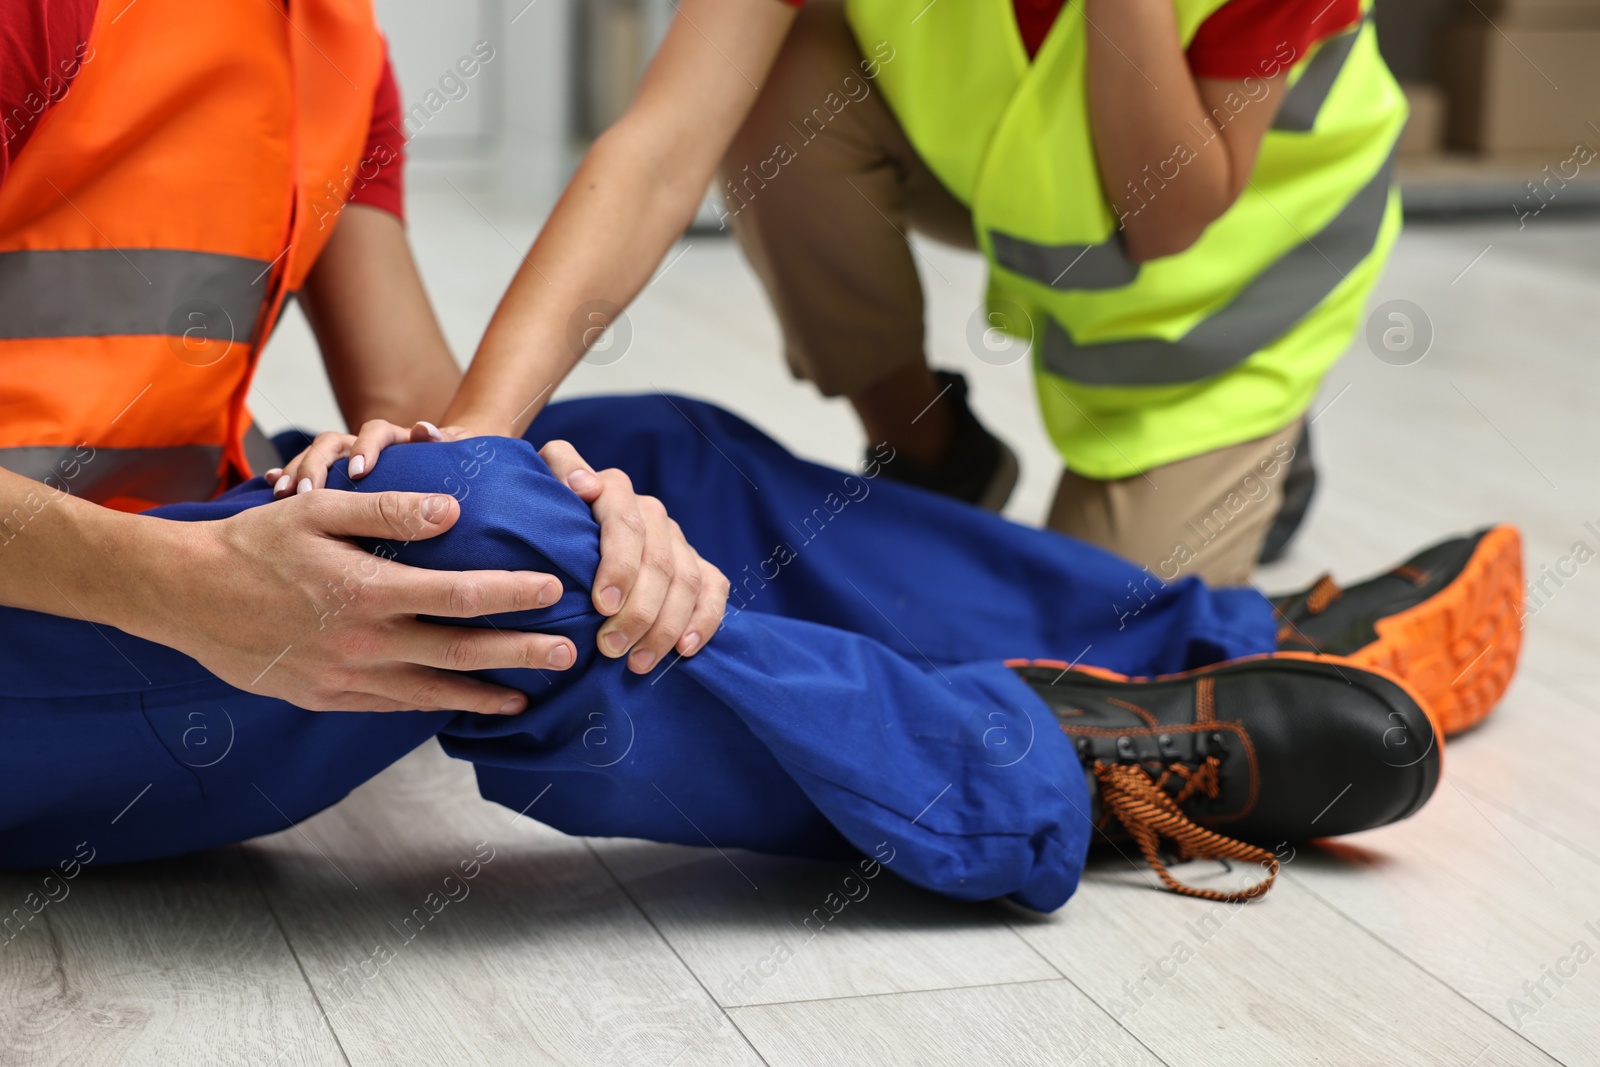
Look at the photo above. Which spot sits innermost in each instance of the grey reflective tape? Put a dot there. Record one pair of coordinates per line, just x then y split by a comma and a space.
1101, 266
259, 451
103, 292
1299, 111
1263, 311
160, 475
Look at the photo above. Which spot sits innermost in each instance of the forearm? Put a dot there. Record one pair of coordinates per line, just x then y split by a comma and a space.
1163, 158
633, 195
65, 556
620, 214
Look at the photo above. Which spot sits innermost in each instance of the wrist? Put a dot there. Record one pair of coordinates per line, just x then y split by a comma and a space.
135, 565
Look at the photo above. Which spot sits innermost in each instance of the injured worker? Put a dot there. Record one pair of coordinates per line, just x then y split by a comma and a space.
640, 617
898, 674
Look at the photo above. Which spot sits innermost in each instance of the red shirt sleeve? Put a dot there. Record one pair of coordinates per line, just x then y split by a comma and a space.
383, 164
1254, 38
1241, 39
43, 43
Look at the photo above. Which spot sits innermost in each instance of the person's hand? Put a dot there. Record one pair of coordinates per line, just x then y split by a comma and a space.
309, 469
276, 600
657, 591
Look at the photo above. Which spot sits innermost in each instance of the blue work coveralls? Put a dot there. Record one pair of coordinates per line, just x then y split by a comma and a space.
855, 699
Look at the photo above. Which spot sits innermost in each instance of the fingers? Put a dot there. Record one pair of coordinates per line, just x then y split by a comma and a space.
624, 538
651, 584
709, 609
408, 687
573, 470
466, 594
677, 607
459, 648
387, 516
309, 470
374, 436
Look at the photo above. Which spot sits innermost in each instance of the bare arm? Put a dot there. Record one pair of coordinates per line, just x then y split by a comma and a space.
385, 354
1174, 152
188, 585
634, 194
390, 367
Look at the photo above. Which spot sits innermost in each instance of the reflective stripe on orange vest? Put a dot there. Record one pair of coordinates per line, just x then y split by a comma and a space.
153, 226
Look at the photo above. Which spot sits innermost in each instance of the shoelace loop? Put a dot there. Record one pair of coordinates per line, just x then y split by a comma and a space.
1150, 815
1323, 593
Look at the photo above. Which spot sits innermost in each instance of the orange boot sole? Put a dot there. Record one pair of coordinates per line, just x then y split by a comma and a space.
1458, 649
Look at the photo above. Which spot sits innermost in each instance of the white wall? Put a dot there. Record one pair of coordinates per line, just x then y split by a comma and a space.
508, 126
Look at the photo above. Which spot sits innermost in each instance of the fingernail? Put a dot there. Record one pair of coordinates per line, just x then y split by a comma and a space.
358, 465
616, 642
581, 481
434, 508
561, 657
304, 486
610, 599
433, 431
642, 661
512, 706
691, 641
272, 475
283, 483
548, 594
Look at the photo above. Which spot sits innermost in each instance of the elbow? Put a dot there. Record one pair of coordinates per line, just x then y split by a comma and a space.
1153, 234
1144, 245
677, 181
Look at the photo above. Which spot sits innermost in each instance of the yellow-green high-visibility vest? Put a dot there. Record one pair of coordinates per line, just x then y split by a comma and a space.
1139, 365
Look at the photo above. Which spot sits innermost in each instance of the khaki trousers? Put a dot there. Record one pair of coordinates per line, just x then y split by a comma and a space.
822, 186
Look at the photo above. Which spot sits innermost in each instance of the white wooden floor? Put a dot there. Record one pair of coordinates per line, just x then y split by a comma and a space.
1465, 936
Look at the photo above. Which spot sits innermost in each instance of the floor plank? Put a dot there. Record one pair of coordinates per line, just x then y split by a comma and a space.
1486, 905
1034, 1024
1283, 979
177, 962
538, 958
814, 930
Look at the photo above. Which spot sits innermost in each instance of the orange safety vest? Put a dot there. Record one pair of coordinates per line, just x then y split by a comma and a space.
153, 225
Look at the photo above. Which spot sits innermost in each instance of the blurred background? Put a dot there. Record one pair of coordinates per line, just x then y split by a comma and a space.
1500, 263
1499, 89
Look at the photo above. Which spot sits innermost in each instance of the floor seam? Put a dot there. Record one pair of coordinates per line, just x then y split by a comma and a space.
1397, 951
255, 879
589, 844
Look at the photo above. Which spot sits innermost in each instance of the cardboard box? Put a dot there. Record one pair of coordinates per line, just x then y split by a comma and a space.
1514, 89
1424, 132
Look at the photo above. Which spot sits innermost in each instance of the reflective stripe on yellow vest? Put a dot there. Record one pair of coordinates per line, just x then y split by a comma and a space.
1143, 364
152, 226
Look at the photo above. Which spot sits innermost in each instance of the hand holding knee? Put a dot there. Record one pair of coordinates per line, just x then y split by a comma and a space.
278, 600
655, 589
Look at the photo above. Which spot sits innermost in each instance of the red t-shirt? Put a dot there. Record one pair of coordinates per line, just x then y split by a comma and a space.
1234, 42
41, 39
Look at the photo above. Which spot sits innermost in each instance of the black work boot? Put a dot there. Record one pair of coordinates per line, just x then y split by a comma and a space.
1447, 621
979, 468
1233, 760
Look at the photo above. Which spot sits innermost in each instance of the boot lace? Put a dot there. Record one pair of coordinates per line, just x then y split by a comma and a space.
1150, 814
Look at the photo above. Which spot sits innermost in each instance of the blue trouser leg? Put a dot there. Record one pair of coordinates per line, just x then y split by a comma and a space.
930, 578
782, 735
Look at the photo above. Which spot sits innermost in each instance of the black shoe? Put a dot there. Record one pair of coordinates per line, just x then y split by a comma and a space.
1447, 622
979, 468
1266, 750
1299, 486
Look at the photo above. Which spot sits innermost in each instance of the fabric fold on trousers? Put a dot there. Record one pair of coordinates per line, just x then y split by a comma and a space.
854, 701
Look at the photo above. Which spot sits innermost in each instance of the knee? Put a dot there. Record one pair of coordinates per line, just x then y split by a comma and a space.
515, 515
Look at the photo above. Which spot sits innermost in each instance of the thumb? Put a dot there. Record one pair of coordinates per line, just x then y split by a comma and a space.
389, 516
